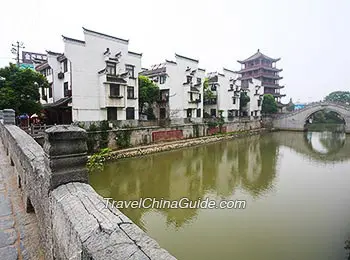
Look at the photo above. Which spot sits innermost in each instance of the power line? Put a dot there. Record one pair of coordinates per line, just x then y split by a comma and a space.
15, 50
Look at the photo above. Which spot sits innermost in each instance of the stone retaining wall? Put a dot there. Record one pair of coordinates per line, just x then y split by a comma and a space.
156, 148
145, 135
74, 222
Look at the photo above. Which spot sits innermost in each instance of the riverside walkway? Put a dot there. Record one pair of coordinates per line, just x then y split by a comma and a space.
19, 234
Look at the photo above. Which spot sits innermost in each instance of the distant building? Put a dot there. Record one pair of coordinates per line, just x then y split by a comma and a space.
225, 89
263, 68
255, 92
181, 88
95, 78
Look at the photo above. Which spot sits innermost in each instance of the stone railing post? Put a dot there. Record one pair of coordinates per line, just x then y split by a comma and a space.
65, 150
9, 116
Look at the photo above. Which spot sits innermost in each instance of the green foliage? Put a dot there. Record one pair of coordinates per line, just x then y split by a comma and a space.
207, 93
123, 138
96, 161
148, 92
269, 105
104, 127
326, 117
244, 100
339, 96
20, 89
150, 114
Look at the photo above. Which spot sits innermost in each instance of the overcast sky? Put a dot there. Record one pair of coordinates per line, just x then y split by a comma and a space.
312, 37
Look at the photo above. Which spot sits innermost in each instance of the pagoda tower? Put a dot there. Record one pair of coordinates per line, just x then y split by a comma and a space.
262, 67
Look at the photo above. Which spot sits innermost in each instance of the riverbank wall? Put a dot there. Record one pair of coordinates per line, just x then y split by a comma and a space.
139, 136
73, 219
169, 146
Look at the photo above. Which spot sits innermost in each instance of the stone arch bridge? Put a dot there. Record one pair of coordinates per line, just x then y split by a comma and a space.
296, 120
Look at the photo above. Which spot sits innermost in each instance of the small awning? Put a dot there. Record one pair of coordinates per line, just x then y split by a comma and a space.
63, 102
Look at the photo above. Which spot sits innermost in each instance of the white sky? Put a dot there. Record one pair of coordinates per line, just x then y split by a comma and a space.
312, 37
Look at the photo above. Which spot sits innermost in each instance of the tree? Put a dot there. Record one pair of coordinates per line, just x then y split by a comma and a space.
19, 89
243, 100
148, 92
207, 93
269, 105
339, 96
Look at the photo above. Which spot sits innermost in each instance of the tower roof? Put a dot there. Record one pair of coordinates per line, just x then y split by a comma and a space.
258, 55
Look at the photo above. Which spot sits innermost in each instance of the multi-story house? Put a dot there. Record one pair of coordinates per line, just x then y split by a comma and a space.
181, 88
262, 67
97, 76
224, 95
255, 91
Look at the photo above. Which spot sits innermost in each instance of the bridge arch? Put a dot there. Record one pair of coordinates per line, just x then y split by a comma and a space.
296, 120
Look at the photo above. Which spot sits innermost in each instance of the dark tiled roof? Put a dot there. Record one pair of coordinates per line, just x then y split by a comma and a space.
259, 67
60, 102
201, 69
170, 61
53, 53
258, 55
42, 66
183, 57
105, 35
153, 72
135, 53
228, 70
72, 39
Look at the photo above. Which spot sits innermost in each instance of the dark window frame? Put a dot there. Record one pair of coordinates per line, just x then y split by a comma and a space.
111, 68
65, 89
131, 69
131, 92
162, 79
65, 65
130, 111
114, 90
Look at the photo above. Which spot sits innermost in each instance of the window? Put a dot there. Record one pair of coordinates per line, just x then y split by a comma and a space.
213, 112
252, 113
130, 113
65, 89
130, 68
131, 92
111, 70
259, 102
65, 66
162, 79
199, 80
191, 96
114, 90
189, 79
234, 100
50, 91
213, 87
112, 113
162, 113
189, 112
198, 113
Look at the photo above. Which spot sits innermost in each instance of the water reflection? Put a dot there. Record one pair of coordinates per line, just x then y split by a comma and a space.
215, 170
286, 195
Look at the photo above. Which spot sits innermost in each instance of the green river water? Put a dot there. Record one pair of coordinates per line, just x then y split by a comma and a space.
296, 187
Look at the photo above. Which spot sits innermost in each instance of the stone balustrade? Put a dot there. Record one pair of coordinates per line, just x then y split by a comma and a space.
73, 219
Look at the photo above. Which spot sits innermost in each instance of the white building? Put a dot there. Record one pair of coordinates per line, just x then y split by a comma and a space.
225, 90
181, 87
255, 92
98, 76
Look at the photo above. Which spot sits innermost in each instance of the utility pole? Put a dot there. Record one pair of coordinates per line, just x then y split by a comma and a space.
15, 50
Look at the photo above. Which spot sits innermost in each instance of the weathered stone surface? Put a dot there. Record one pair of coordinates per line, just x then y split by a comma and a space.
9, 116
7, 237
9, 253
74, 222
6, 222
5, 206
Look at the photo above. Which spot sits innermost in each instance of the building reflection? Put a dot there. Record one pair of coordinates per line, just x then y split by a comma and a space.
217, 170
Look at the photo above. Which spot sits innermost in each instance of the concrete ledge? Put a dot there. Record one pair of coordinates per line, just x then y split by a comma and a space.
84, 228
73, 220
